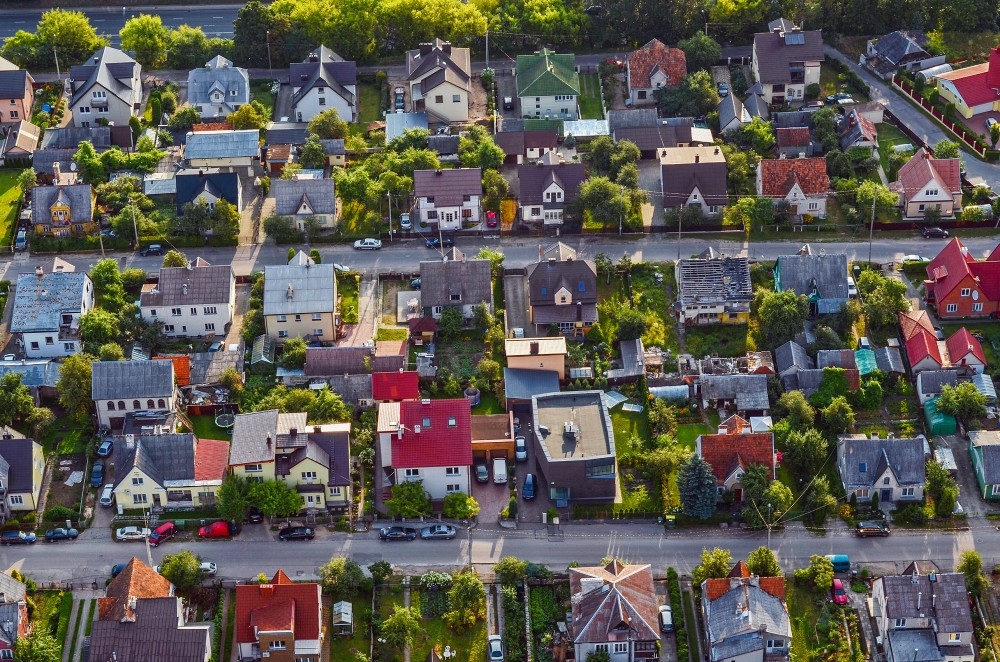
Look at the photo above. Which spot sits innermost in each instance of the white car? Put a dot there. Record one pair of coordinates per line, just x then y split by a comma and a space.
209, 568
494, 648
520, 449
368, 244
131, 533
666, 618
915, 258
852, 288
108, 495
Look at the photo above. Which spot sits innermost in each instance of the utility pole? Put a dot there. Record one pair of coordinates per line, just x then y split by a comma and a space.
134, 226
388, 201
680, 215
705, 16
487, 49
871, 229
269, 69
56, 56
769, 523
621, 211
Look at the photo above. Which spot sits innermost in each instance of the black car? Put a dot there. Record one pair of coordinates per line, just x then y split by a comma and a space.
255, 516
97, 474
17, 538
508, 103
437, 243
934, 233
152, 249
61, 534
296, 533
482, 473
391, 533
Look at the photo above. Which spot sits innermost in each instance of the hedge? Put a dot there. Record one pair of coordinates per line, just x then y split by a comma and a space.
183, 241
680, 632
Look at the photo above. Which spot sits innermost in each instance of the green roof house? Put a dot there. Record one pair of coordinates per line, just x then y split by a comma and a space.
984, 448
548, 85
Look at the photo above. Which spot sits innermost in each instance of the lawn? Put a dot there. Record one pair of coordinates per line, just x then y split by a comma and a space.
590, 97
716, 339
261, 92
471, 645
369, 108
829, 83
889, 136
392, 334
10, 192
628, 423
343, 647
488, 404
808, 609
205, 428
65, 441
347, 289
356, 221
687, 433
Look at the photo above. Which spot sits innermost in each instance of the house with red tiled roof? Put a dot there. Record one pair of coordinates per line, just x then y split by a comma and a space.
966, 353
136, 582
422, 329
735, 424
746, 617
961, 286
614, 608
928, 183
280, 620
912, 322
169, 471
430, 441
395, 386
732, 454
802, 183
858, 131
923, 352
792, 142
973, 89
652, 67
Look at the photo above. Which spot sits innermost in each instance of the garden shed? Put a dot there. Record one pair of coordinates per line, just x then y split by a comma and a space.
343, 618
938, 423
984, 384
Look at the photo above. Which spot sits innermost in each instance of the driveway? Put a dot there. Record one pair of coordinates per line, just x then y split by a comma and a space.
364, 330
491, 497
969, 495
515, 297
507, 87
649, 181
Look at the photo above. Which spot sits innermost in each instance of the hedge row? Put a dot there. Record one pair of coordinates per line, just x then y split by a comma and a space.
680, 632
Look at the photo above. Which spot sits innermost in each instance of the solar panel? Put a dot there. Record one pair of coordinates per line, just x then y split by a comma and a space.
795, 38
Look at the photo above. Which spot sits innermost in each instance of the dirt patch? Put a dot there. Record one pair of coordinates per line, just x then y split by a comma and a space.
390, 290
477, 100
61, 494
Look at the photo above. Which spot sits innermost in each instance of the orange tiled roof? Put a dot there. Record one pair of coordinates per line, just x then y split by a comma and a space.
779, 175
716, 588
182, 367
774, 585
211, 459
657, 56
213, 126
796, 136
912, 321
137, 580
740, 570
727, 451
262, 601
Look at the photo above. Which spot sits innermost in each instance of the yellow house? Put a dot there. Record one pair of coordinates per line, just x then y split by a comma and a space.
537, 354
21, 473
713, 289
169, 471
61, 211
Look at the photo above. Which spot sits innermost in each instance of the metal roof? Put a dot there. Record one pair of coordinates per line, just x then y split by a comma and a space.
222, 144
39, 302
33, 373
291, 289
396, 124
522, 384
127, 380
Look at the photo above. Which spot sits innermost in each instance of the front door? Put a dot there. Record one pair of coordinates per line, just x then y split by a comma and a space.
738, 494
885, 496
156, 500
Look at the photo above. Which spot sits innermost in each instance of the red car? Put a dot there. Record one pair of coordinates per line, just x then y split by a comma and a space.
839, 594
491, 219
214, 530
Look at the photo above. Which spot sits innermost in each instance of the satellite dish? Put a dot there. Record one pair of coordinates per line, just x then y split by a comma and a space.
72, 166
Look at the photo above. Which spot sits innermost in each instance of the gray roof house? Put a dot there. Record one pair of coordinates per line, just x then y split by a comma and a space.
35, 374
70, 137
746, 393
156, 632
455, 280
905, 49
755, 103
118, 387
78, 198
521, 384
107, 86
929, 383
821, 277
746, 617
219, 148
301, 198
218, 88
890, 361
792, 357
892, 467
732, 113
300, 299
714, 289
195, 300
172, 462
563, 292
310, 79
47, 311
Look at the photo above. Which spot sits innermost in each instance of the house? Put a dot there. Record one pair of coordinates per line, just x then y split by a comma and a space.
790, 359
61, 211
343, 360
548, 189
742, 393
324, 70
169, 471
430, 441
218, 88
440, 78
714, 290
449, 198
519, 146
16, 96
118, 387
280, 618
446, 147
914, 321
633, 361
820, 277
395, 386
542, 354
732, 453
155, 630
574, 447
927, 183
793, 142
694, 176
900, 49
301, 198
802, 183
924, 352
47, 311
39, 375
892, 467
958, 285
107, 87
746, 617
521, 384
873, 111
733, 115
70, 137
221, 149
207, 186
14, 626
548, 85
300, 301
193, 301
455, 281
22, 466
929, 383
890, 361
276, 157
921, 615
20, 143
651, 133
614, 609
965, 353
973, 89
137, 581
786, 60
563, 292
653, 67
336, 152
52, 166
859, 132
984, 449
756, 104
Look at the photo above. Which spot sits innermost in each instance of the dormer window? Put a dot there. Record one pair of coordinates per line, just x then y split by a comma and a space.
932, 191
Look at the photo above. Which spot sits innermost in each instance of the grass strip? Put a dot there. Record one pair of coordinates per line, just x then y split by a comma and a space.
76, 631
90, 618
230, 627
692, 624
64, 612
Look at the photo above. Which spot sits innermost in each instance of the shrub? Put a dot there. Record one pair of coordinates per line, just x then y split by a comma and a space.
58, 513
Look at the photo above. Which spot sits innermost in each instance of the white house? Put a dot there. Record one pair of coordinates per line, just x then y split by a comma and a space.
322, 81
120, 387
107, 86
220, 149
786, 61
449, 197
47, 311
192, 301
548, 85
892, 468
802, 183
548, 189
218, 88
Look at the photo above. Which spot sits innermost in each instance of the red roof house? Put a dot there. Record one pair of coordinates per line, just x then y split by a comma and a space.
792, 141
281, 615
652, 67
923, 352
395, 386
913, 321
803, 183
607, 598
965, 352
961, 286
927, 183
732, 454
973, 89
433, 443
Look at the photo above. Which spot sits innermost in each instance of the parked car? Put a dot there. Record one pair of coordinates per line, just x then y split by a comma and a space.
152, 249
723, 89
214, 530
97, 474
415, 283
814, 104
215, 347
341, 268
865, 529
838, 592
21, 242
482, 473
17, 538
666, 618
131, 533
915, 258
209, 568
108, 495
117, 569
528, 489
491, 219
162, 533
439, 242
508, 103
934, 232
438, 532
105, 448
296, 533
520, 449
864, 343
55, 535
499, 470
939, 334
404, 222
852, 288
368, 244
494, 647
255, 516
400, 92
391, 533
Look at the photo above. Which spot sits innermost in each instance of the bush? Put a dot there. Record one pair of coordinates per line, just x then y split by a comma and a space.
680, 631
912, 514
59, 513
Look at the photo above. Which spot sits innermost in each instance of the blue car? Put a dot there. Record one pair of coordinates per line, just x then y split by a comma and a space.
528, 491
97, 474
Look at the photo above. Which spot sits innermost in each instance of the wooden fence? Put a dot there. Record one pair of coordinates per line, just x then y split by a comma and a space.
958, 129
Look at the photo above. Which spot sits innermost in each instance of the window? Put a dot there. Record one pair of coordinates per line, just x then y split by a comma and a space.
121, 405
277, 645
456, 98
138, 480
453, 489
966, 291
621, 647
322, 101
69, 347
920, 208
862, 493
955, 636
85, 109
600, 469
813, 206
907, 493
452, 421
977, 307
176, 312
6, 654
317, 332
951, 308
456, 297
317, 317
432, 215
412, 473
135, 404
601, 647
194, 311
100, 94
49, 341
149, 404
334, 491
210, 326
253, 467
16, 500
282, 334
111, 406
152, 312
298, 318
13, 114
451, 471
439, 98
885, 481
775, 643
168, 328
932, 191
210, 310
282, 318
306, 475
34, 345
901, 622
862, 467
161, 404
426, 423
642, 94
139, 499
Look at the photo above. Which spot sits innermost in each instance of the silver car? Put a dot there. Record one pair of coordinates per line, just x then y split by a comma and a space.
520, 450
494, 648
108, 495
131, 533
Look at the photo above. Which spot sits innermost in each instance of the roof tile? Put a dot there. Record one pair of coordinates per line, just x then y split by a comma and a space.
656, 56
779, 175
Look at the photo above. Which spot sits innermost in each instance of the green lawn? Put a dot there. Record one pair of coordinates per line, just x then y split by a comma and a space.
805, 609
470, 645
369, 108
343, 647
10, 193
590, 97
628, 423
829, 83
392, 334
889, 136
347, 289
687, 433
261, 93
356, 221
205, 428
716, 339
62, 442
488, 404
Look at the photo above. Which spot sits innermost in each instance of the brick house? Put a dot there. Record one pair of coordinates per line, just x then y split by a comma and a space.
961, 286
652, 67
280, 619
803, 183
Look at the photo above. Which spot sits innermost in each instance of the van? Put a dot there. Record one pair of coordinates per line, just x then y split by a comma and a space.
162, 533
866, 529
22, 241
666, 618
841, 562
528, 490
499, 470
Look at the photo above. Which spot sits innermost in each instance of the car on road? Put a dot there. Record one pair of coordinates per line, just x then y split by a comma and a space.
491, 219
214, 530
162, 533
482, 473
254, 516
723, 89
437, 242
866, 529
404, 222
97, 474
666, 618
152, 249
528, 489
108, 495
520, 449
915, 258
17, 538
391, 533
105, 448
21, 242
415, 283
508, 103
367, 244
296, 533
131, 533
934, 232
340, 268
494, 648
55, 535
209, 568
438, 532
117, 569
838, 592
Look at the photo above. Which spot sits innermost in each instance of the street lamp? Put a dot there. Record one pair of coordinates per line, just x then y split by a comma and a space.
769, 522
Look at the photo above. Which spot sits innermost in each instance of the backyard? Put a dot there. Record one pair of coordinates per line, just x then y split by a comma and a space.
369, 108
830, 83
9, 195
344, 647
689, 432
889, 136
260, 91
726, 341
205, 428
590, 97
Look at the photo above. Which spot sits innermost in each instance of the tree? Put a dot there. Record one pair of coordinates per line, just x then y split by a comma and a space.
626, 153
111, 351
27, 180
631, 324
883, 197
185, 118
696, 486
599, 655
715, 564
700, 51
806, 451
800, 413
70, 31
105, 275
604, 263
510, 569
825, 130
250, 35
696, 95
250, 116
16, 402
294, 354
328, 125
40, 420
602, 198
838, 417
183, 569
381, 571
409, 499
819, 500
225, 220
233, 500
402, 627
467, 598
39, 646
970, 563
451, 323
946, 149
819, 573
495, 190
963, 401
341, 576
482, 320
496, 260
782, 316
662, 417
839, 165
145, 35
460, 506
98, 327
189, 48
749, 213
273, 497
763, 563
601, 149
312, 154
174, 258
74, 385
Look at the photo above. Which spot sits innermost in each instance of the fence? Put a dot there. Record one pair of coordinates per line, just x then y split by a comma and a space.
957, 129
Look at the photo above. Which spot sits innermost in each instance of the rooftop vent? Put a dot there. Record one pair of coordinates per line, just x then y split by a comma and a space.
416, 429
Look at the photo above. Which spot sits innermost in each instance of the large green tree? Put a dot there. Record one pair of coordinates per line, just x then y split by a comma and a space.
963, 401
274, 497
38, 646
696, 485
74, 385
700, 51
782, 316
147, 38
183, 569
763, 563
819, 573
715, 564
402, 628
61, 32
16, 403
409, 499
327, 125
341, 576
233, 499
806, 452
467, 599
98, 327
970, 563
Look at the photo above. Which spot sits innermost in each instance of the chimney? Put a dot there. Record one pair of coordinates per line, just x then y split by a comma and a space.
534, 347
425, 49
437, 172
416, 429
55, 172
446, 47
290, 293
933, 599
993, 72
313, 57
268, 439
96, 59
716, 151
184, 287
464, 258
39, 271
293, 433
